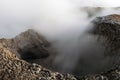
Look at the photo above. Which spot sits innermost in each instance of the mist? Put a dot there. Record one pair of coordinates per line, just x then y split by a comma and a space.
63, 22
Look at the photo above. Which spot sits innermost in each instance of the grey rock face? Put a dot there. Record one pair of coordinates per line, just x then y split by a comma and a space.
101, 49
28, 45
31, 45
108, 27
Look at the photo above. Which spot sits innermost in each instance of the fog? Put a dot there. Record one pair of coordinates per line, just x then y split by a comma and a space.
55, 16
64, 22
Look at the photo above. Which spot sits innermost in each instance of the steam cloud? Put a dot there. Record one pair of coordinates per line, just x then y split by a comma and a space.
64, 21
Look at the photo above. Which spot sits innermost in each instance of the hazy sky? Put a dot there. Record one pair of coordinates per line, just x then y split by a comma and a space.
18, 15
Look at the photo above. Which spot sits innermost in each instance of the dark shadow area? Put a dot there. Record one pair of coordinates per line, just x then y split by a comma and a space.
29, 53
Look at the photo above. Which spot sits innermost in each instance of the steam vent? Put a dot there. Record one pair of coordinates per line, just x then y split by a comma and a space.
18, 54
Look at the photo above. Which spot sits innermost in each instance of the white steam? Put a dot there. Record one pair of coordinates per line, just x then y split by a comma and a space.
64, 21
18, 15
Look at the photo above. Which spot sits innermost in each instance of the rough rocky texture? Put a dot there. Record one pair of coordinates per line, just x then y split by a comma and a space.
98, 52
31, 47
27, 45
108, 27
13, 68
107, 30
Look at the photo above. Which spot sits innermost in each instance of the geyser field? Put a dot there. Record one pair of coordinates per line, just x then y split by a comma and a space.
64, 36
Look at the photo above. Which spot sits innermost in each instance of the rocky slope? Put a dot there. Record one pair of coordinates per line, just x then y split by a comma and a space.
31, 47
27, 45
14, 54
108, 27
12, 68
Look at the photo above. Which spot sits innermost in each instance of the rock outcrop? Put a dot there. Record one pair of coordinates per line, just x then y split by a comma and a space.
108, 27
27, 45
14, 52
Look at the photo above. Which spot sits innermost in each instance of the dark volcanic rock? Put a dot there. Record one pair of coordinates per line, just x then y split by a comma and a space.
108, 27
100, 49
31, 45
12, 68
28, 45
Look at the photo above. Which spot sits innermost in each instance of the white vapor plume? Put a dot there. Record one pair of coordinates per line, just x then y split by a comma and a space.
97, 3
27, 12
61, 21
